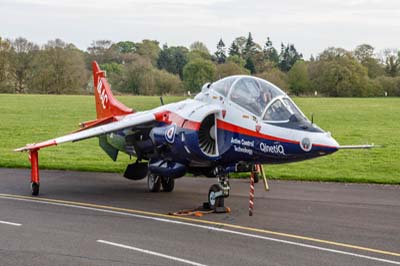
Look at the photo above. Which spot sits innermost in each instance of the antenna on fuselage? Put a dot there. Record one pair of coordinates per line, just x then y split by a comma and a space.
161, 100
312, 118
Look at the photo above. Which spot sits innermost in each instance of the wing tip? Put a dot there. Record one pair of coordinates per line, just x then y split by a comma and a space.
36, 146
27, 147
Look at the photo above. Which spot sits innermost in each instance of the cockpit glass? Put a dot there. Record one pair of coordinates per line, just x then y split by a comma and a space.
277, 112
294, 109
222, 86
246, 93
254, 94
269, 90
283, 109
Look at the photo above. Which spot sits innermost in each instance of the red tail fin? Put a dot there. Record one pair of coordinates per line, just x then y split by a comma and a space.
106, 105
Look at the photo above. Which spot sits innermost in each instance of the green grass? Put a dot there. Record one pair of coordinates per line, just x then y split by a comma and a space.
33, 118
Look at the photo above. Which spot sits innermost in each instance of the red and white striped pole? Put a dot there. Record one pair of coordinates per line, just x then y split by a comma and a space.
251, 199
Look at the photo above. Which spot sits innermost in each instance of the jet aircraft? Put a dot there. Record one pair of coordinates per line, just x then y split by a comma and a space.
232, 125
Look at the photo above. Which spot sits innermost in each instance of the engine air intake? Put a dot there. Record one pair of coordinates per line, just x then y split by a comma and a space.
207, 136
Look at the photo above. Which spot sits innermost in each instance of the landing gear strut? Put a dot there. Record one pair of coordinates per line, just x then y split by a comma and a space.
35, 180
218, 192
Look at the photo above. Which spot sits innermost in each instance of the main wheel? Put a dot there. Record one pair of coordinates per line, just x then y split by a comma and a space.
168, 184
215, 201
153, 182
35, 188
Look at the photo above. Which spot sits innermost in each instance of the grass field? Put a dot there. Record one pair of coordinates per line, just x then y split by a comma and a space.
33, 118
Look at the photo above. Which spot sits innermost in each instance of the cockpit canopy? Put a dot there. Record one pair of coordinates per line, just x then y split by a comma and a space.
259, 97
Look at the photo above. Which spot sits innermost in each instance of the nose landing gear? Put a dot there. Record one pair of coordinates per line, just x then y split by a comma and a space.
218, 192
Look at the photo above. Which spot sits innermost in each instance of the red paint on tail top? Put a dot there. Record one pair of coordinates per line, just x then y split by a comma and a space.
106, 104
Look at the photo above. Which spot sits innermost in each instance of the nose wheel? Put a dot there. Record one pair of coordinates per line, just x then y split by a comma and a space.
215, 197
218, 192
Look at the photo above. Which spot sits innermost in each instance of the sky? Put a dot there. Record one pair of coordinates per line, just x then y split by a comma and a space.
312, 25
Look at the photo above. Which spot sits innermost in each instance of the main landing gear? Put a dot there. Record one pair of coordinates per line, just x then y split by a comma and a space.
154, 183
218, 192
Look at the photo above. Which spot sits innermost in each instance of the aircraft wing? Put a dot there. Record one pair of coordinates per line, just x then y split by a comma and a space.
129, 121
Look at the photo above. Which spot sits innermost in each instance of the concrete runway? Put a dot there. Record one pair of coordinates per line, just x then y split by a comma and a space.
104, 219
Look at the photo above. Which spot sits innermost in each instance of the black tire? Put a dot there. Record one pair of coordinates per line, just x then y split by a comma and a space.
35, 188
153, 183
215, 202
168, 184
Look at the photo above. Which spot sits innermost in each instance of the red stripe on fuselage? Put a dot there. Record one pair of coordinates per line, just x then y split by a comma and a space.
236, 129
171, 117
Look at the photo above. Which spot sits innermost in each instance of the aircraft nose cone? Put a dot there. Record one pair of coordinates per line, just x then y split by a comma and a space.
334, 143
331, 142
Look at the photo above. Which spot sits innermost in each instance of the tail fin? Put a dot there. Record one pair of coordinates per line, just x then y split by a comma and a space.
106, 105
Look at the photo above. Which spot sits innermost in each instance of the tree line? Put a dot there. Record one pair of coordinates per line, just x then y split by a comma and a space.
150, 69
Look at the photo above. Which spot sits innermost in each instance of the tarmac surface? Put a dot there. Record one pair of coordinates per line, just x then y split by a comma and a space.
103, 219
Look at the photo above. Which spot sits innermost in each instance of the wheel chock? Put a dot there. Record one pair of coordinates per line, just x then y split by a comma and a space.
201, 211
198, 214
222, 210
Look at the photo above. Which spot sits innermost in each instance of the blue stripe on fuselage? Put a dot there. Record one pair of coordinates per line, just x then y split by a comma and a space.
235, 147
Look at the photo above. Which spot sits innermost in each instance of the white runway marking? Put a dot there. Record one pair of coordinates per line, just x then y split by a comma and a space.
9, 223
151, 253
299, 244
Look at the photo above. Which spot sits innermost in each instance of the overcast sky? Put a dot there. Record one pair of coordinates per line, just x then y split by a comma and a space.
312, 25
